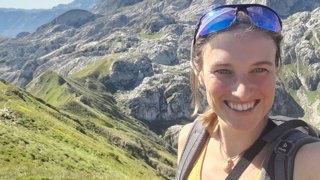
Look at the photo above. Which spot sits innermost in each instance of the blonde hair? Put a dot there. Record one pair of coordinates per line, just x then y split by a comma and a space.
209, 117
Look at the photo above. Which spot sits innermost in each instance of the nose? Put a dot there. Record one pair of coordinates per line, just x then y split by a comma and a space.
242, 88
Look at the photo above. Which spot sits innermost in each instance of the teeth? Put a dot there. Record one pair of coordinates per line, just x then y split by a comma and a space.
232, 106
241, 107
245, 106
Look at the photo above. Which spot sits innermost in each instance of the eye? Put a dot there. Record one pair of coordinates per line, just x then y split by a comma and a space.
223, 72
259, 70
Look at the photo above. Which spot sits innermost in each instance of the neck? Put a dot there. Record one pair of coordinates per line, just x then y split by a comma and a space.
234, 142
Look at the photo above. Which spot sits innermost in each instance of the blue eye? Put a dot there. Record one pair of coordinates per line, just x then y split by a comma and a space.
223, 72
259, 70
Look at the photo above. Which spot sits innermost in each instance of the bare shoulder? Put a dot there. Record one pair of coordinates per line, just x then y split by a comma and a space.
307, 162
182, 138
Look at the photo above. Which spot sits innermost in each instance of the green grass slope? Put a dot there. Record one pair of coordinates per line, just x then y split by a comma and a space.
97, 69
84, 137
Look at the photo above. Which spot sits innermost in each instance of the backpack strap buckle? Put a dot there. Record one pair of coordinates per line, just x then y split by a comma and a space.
284, 147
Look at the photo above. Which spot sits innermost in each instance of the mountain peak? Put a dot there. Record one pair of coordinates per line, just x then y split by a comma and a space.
74, 18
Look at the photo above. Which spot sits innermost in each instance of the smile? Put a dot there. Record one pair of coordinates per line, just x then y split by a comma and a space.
242, 107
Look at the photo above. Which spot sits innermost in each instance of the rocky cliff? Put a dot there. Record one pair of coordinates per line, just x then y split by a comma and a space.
149, 42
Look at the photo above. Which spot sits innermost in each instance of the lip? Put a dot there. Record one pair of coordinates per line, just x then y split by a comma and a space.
242, 107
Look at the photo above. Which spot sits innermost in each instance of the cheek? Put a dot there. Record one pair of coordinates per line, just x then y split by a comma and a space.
215, 89
267, 86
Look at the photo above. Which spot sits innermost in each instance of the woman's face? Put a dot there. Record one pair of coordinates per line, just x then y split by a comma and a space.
239, 75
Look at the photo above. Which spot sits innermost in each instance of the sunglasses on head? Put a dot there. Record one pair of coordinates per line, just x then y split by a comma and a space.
222, 17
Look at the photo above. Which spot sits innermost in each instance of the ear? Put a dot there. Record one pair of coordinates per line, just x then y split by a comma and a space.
201, 78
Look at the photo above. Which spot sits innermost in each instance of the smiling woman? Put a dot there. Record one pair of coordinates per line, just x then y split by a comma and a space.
239, 74
27, 4
236, 58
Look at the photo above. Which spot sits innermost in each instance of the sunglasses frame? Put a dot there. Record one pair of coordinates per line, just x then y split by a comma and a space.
238, 7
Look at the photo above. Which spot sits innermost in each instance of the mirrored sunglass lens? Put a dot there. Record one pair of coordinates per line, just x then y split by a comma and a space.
216, 20
264, 18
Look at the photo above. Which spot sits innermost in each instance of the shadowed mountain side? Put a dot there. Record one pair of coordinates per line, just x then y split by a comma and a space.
73, 18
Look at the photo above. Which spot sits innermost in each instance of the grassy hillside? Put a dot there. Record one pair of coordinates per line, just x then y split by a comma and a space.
98, 68
78, 134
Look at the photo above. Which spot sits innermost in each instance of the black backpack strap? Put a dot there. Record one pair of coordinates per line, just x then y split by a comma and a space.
286, 151
285, 140
196, 139
296, 123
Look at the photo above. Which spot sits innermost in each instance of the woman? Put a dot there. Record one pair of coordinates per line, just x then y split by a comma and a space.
236, 58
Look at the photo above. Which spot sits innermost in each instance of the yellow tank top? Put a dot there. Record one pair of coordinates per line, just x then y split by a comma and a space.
195, 173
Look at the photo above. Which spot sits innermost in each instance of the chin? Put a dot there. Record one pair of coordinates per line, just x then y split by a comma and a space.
245, 124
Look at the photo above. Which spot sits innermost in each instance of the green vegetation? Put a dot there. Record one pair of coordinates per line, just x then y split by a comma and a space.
97, 69
56, 92
170, 98
296, 68
308, 98
84, 136
314, 40
173, 70
313, 95
145, 35
289, 20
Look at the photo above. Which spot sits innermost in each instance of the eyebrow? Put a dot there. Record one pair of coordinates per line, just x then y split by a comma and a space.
222, 65
263, 63
255, 64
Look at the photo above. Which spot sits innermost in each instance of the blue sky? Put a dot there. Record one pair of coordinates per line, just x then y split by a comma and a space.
32, 4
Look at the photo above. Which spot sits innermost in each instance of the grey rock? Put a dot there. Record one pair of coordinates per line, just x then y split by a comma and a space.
157, 21
126, 74
293, 80
284, 104
172, 135
306, 53
109, 6
284, 8
22, 34
164, 97
74, 18
312, 79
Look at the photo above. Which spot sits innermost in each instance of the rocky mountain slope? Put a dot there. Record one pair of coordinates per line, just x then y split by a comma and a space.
20, 22
139, 51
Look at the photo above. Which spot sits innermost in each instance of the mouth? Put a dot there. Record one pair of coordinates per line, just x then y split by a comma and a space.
242, 107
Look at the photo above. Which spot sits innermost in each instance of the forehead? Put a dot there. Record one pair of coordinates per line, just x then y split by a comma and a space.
240, 47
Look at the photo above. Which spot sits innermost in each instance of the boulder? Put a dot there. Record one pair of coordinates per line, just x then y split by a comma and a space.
126, 74
172, 135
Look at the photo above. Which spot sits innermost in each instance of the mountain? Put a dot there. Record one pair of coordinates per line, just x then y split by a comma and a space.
84, 135
152, 83
16, 21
